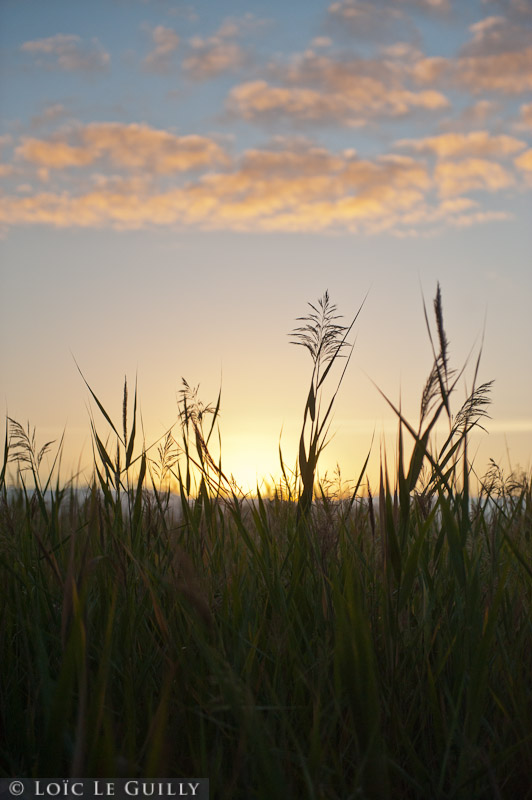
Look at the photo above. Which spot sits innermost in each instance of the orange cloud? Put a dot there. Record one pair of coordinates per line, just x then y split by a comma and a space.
68, 52
256, 98
53, 154
324, 88
429, 69
137, 147
471, 174
524, 161
476, 143
350, 100
503, 72
142, 147
498, 58
293, 185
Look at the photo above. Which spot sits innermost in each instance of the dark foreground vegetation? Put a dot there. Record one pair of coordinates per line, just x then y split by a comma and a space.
343, 647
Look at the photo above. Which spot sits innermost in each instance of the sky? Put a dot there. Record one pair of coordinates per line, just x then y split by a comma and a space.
180, 179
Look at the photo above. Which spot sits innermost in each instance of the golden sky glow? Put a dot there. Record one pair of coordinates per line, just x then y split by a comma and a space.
179, 179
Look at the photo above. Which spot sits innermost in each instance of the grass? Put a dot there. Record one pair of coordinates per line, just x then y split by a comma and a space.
364, 647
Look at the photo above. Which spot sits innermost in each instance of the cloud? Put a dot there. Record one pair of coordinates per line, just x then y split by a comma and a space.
321, 41
524, 161
471, 174
319, 88
496, 34
456, 212
53, 154
525, 116
6, 170
364, 17
476, 114
361, 18
497, 59
480, 218
131, 147
430, 70
51, 113
222, 52
142, 147
136, 177
476, 143
504, 72
380, 20
515, 9
68, 52
290, 186
211, 58
335, 88
166, 42
431, 5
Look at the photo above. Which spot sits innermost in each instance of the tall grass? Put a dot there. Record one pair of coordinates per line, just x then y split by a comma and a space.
325, 339
385, 653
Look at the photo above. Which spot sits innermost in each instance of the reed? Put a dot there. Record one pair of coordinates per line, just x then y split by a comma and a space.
386, 652
325, 339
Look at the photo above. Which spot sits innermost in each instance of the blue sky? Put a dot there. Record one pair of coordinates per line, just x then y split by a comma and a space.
179, 179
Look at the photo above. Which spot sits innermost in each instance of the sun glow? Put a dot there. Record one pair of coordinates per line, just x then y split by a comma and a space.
253, 461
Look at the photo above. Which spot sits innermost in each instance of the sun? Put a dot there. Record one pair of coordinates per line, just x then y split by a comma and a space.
252, 461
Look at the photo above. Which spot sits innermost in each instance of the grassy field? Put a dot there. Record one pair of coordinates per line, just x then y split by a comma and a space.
301, 645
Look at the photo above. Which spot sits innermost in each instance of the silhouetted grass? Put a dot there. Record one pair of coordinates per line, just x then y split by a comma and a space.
372, 646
